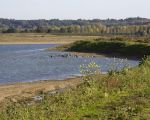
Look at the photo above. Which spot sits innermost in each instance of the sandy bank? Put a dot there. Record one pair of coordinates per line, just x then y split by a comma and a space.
24, 90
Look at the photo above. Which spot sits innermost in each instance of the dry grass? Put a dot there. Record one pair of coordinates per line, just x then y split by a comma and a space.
41, 38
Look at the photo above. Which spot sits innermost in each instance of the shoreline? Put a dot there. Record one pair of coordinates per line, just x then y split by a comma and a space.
18, 91
93, 54
113, 55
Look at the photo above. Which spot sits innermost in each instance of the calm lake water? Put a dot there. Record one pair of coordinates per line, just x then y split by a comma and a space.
24, 63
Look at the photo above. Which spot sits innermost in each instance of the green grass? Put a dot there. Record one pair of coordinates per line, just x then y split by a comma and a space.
123, 95
123, 48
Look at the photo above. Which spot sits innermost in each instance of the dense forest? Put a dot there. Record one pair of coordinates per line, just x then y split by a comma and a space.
130, 26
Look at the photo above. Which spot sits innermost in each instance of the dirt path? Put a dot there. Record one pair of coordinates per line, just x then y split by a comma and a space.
23, 90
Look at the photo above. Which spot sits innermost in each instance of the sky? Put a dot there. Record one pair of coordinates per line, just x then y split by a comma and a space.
74, 9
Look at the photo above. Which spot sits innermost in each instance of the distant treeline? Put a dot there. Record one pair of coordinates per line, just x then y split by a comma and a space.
130, 26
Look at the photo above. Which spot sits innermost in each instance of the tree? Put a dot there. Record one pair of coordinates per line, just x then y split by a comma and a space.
10, 30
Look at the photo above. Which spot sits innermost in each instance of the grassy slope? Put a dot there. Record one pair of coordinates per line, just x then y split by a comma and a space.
119, 96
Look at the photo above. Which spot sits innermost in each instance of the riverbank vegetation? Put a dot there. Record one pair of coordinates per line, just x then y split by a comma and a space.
122, 95
122, 48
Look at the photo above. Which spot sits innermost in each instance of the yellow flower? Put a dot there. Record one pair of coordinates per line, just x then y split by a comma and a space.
106, 94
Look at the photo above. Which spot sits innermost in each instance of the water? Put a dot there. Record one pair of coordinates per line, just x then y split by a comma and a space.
24, 63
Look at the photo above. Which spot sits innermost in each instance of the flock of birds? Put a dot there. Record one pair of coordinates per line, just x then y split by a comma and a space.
67, 55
